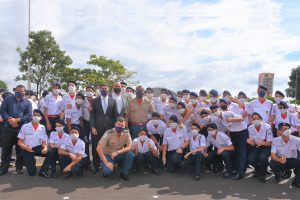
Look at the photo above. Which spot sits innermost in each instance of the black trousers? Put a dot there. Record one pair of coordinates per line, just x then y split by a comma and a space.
173, 160
1, 127
96, 158
9, 138
146, 158
196, 160
52, 122
76, 169
85, 135
258, 157
291, 163
215, 159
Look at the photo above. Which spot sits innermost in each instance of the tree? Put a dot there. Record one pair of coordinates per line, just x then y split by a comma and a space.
45, 59
3, 85
293, 84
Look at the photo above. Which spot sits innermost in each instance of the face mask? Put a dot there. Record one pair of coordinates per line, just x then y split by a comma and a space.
59, 129
287, 133
117, 90
213, 133
19, 95
36, 119
202, 98
283, 111
194, 101
179, 99
119, 129
224, 107
130, 95
186, 97
172, 105
207, 119
155, 122
163, 96
181, 111
72, 89
103, 93
173, 125
89, 94
74, 136
56, 91
228, 99
261, 93
139, 94
213, 100
217, 113
242, 101
143, 138
79, 101
256, 122
278, 99
194, 132
149, 96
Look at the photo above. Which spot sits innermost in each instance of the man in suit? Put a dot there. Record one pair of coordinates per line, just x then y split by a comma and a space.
103, 117
121, 99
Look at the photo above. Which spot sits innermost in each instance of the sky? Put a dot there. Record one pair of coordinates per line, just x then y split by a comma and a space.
194, 44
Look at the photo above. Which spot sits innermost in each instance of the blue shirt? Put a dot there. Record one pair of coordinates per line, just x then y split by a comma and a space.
11, 107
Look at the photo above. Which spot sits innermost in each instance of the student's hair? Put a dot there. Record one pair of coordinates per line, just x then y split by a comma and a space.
20, 87
142, 129
103, 84
257, 114
120, 119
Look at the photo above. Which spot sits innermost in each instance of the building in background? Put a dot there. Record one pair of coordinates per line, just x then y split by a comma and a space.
266, 79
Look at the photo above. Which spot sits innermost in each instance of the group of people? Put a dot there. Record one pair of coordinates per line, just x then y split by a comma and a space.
131, 129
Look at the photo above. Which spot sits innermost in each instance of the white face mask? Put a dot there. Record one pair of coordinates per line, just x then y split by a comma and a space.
74, 136
79, 101
173, 125
278, 99
256, 122
155, 122
217, 113
149, 96
194, 132
213, 100
36, 119
89, 94
186, 97
72, 89
213, 133
207, 119
56, 91
179, 99
194, 101
201, 98
143, 138
283, 111
181, 111
172, 105
59, 129
163, 96
242, 101
287, 133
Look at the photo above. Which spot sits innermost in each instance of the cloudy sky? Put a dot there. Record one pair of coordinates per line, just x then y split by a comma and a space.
221, 44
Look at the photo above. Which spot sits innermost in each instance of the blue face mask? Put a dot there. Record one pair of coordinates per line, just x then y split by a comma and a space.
119, 129
103, 93
19, 95
261, 93
139, 94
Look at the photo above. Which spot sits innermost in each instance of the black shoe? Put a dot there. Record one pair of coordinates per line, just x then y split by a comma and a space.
44, 174
95, 170
124, 177
262, 179
156, 171
236, 177
226, 175
276, 179
20, 171
255, 175
68, 175
287, 174
296, 184
89, 168
196, 178
54, 175
105, 175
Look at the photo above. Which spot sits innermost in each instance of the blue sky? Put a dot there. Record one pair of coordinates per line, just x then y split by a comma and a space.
222, 44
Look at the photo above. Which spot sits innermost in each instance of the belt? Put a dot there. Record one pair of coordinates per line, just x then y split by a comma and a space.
53, 116
138, 123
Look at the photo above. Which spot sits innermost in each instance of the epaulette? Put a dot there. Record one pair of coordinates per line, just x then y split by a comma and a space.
110, 131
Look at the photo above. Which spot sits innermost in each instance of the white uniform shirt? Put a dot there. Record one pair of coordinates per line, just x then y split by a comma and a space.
287, 150
221, 140
160, 129
53, 104
199, 141
158, 105
67, 101
54, 139
78, 148
33, 137
291, 118
218, 122
264, 109
168, 112
33, 104
175, 140
85, 107
234, 107
276, 110
232, 126
143, 148
74, 114
264, 133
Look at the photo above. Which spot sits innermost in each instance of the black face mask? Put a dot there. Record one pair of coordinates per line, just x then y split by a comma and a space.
224, 107
117, 90
139, 94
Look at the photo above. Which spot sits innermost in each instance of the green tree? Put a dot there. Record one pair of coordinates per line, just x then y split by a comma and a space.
45, 59
293, 84
3, 85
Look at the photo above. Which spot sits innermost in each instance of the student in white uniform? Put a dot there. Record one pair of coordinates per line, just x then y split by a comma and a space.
186, 96
287, 116
72, 155
197, 147
74, 115
259, 142
161, 102
284, 154
175, 142
238, 134
203, 101
215, 117
179, 96
146, 153
56, 140
196, 107
213, 97
52, 107
261, 105
33, 142
222, 149
170, 109
232, 106
185, 115
279, 96
68, 100
156, 128
42, 100
244, 106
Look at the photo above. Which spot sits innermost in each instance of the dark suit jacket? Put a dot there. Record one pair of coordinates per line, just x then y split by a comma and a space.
124, 105
103, 122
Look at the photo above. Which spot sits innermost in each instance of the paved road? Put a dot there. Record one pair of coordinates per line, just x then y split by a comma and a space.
142, 186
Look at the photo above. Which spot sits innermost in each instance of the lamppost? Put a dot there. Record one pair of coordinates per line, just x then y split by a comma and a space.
28, 70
